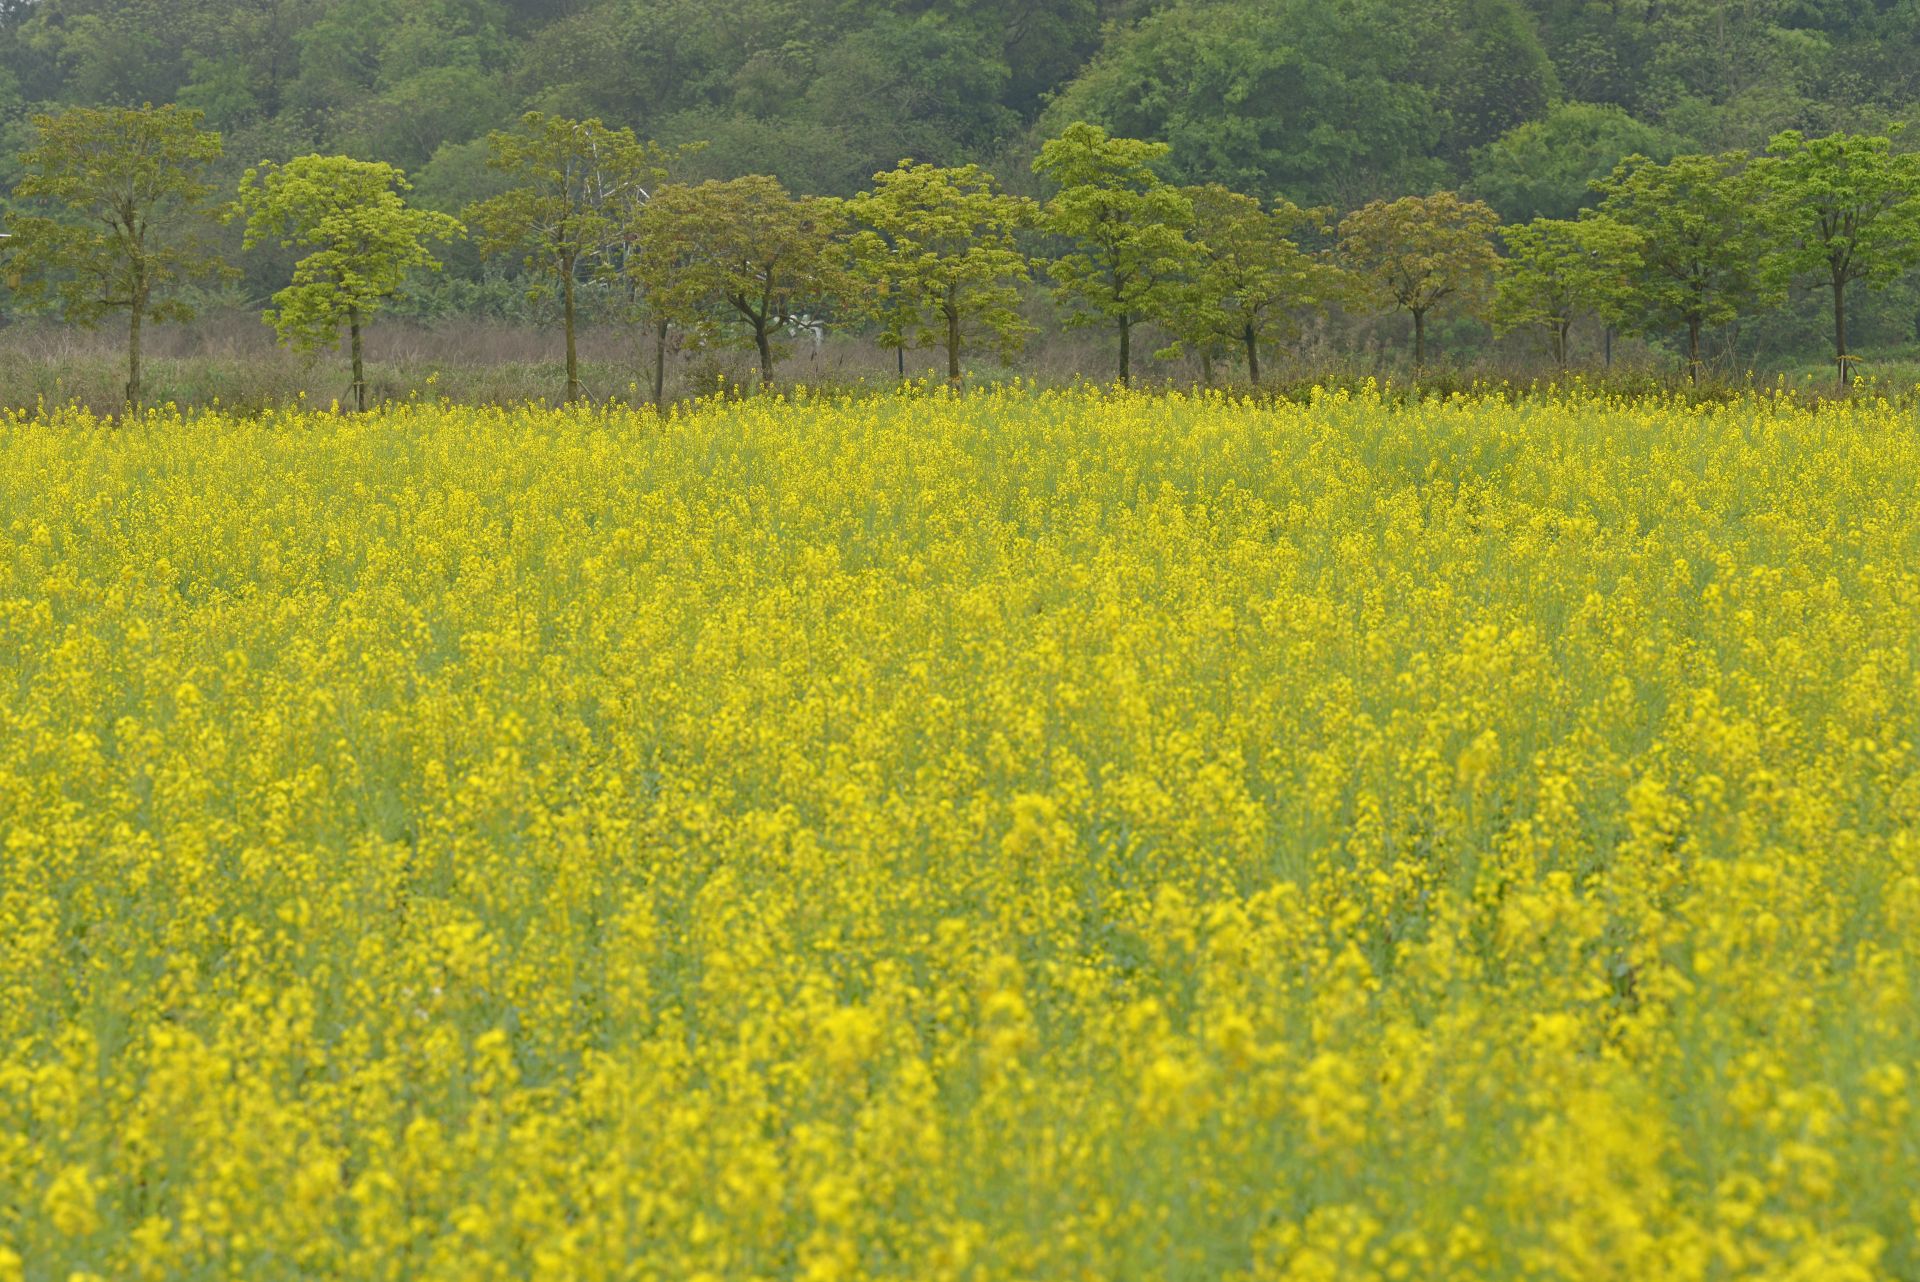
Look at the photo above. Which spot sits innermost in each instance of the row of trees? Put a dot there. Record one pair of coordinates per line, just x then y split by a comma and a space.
939, 256
1702, 240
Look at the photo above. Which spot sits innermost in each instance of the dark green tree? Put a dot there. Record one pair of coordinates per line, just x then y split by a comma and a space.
1546, 168
127, 196
1321, 102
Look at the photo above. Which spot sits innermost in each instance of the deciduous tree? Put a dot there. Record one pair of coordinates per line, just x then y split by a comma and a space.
128, 195
572, 181
941, 241
1844, 208
363, 238
627, 206
1556, 269
1699, 243
1250, 278
1128, 228
1421, 251
748, 248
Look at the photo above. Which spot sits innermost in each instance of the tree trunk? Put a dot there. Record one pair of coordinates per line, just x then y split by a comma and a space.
1840, 330
953, 344
133, 351
1206, 368
900, 360
1560, 331
1693, 350
1126, 350
574, 390
659, 362
359, 365
1419, 339
1253, 356
1609, 345
761, 341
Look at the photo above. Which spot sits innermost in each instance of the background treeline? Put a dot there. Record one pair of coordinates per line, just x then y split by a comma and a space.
1520, 104
119, 203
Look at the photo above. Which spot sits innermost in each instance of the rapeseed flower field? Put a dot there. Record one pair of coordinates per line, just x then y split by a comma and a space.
1019, 836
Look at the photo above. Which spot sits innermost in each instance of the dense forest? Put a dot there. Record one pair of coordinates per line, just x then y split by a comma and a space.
1518, 103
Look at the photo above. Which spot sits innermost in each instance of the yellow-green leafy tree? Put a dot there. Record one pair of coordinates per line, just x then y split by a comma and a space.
745, 251
940, 245
1701, 243
1419, 252
627, 207
575, 184
1843, 209
126, 207
1127, 227
1555, 270
363, 241
1250, 281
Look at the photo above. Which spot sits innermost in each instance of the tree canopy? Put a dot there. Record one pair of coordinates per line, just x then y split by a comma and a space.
941, 249
1524, 106
1319, 101
577, 187
1124, 228
745, 253
1696, 246
1419, 252
1843, 209
1249, 281
361, 237
118, 202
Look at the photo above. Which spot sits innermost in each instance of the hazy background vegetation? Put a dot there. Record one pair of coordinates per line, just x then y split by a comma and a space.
1517, 102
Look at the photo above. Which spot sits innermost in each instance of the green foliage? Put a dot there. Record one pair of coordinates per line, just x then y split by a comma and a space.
746, 250
573, 182
578, 188
1421, 251
1320, 101
820, 96
1554, 271
941, 250
1483, 65
439, 71
1126, 228
363, 238
1250, 280
1334, 103
1523, 104
127, 195
1842, 208
1546, 168
1696, 242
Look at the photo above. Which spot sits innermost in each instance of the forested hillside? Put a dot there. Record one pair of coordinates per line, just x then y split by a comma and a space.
1516, 101
1320, 109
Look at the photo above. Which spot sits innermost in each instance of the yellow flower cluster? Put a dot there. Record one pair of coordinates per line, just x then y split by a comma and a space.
1012, 836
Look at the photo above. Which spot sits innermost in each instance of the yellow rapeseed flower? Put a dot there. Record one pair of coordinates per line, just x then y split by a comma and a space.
1033, 835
